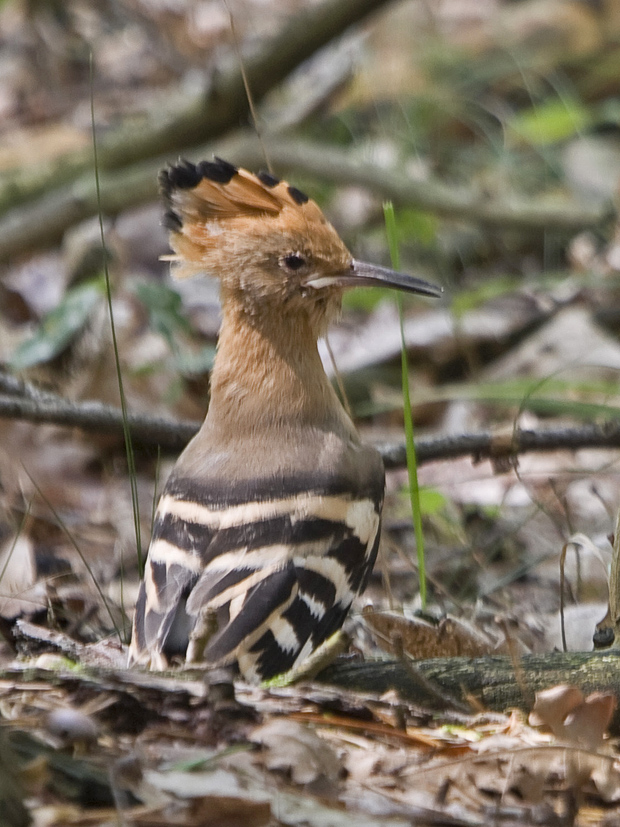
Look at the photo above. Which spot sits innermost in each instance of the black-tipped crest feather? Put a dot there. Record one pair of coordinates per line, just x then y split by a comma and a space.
183, 175
268, 179
218, 171
298, 196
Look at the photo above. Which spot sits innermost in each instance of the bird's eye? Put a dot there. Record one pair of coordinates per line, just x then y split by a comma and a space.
294, 261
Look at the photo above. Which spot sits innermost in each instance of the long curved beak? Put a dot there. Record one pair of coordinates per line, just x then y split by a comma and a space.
368, 274
362, 274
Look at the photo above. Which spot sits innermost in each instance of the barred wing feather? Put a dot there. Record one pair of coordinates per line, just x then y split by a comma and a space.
280, 572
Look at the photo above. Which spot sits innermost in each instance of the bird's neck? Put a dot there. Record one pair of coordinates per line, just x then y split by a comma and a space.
268, 375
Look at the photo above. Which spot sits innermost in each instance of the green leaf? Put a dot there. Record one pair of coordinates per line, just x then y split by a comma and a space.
60, 326
550, 122
167, 316
165, 308
431, 501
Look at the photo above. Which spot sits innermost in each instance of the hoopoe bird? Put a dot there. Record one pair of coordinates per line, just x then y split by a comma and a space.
268, 526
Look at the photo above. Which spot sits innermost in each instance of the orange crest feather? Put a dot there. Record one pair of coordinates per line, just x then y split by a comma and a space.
214, 210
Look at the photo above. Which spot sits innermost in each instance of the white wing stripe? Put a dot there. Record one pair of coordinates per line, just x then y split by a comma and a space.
332, 570
161, 551
284, 633
358, 515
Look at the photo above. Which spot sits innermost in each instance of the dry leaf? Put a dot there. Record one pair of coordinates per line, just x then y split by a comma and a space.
553, 705
228, 811
19, 592
296, 749
420, 639
587, 724
573, 718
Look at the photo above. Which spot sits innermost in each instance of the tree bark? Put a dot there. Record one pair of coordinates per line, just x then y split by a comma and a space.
494, 683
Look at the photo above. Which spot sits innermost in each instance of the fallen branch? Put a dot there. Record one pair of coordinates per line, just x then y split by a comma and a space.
471, 204
502, 446
90, 416
489, 682
44, 221
19, 400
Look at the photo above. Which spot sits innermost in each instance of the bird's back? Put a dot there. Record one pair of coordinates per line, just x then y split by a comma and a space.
274, 542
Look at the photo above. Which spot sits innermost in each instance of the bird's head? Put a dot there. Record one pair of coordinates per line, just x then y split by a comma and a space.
270, 246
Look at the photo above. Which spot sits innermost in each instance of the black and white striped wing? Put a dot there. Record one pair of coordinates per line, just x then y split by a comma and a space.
161, 625
279, 572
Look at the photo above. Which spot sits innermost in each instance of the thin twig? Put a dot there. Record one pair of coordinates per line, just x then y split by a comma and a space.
131, 466
95, 417
172, 435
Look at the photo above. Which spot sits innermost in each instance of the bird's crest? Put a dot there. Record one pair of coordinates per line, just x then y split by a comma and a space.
214, 206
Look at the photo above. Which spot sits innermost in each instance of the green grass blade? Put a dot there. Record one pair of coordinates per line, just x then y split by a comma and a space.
412, 464
131, 465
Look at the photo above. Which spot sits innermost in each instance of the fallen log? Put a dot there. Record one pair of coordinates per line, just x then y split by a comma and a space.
494, 683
